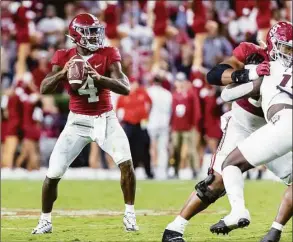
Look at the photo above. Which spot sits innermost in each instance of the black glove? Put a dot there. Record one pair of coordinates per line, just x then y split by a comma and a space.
254, 59
240, 76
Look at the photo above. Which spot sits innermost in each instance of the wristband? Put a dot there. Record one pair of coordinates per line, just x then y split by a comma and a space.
252, 72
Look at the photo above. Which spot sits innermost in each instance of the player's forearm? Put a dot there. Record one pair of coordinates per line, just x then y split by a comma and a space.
51, 82
119, 85
233, 92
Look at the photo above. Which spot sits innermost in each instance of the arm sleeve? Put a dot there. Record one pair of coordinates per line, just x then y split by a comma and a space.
55, 59
240, 52
233, 91
214, 76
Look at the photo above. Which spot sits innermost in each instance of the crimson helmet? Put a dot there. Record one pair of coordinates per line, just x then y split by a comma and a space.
279, 43
86, 31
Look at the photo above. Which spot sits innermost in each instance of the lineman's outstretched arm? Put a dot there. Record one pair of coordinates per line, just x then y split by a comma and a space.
233, 92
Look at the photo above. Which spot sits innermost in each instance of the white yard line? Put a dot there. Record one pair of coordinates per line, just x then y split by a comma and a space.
89, 226
34, 213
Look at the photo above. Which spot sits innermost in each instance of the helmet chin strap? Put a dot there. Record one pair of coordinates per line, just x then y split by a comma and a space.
70, 37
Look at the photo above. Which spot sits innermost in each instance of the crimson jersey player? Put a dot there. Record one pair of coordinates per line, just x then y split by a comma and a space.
91, 116
98, 100
245, 117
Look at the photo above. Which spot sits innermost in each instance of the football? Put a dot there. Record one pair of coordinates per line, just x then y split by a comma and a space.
77, 73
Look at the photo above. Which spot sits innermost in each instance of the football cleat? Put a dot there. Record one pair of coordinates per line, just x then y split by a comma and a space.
231, 222
43, 227
129, 222
172, 236
274, 235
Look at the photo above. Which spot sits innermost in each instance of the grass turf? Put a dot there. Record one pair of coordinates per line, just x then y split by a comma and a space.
262, 198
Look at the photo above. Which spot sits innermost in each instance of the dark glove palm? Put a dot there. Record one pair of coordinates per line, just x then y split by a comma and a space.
254, 59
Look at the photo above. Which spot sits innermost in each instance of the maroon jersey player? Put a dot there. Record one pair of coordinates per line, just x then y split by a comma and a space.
91, 118
97, 101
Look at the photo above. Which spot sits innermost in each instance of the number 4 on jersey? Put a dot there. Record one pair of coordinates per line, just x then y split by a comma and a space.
88, 88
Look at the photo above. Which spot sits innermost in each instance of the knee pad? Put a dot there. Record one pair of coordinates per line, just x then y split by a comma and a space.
206, 195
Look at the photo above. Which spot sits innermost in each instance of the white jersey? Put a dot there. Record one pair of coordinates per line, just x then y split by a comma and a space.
247, 120
277, 87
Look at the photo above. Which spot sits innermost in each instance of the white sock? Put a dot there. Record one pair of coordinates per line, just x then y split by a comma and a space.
277, 226
178, 225
46, 216
129, 208
234, 185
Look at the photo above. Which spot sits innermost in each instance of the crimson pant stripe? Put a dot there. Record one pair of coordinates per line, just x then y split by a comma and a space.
219, 146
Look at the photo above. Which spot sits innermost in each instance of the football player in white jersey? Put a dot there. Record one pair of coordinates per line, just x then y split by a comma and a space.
271, 141
245, 117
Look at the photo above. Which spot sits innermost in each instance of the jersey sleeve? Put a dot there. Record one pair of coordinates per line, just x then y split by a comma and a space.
56, 58
234, 91
241, 53
245, 49
59, 58
114, 56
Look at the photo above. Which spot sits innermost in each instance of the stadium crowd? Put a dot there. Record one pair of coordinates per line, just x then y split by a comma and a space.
171, 117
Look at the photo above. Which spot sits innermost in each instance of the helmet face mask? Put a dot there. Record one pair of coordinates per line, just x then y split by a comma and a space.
86, 31
279, 42
282, 51
92, 38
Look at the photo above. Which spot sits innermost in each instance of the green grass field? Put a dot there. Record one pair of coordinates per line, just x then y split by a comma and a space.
98, 208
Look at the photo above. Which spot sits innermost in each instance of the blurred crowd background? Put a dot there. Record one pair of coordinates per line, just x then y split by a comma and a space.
171, 117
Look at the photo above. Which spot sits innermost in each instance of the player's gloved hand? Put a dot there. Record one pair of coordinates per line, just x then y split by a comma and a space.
240, 76
254, 59
255, 71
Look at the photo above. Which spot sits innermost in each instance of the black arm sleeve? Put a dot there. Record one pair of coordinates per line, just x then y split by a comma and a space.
214, 76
